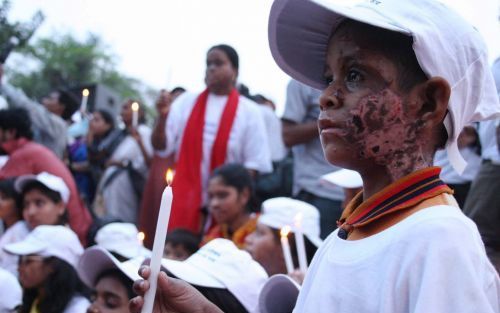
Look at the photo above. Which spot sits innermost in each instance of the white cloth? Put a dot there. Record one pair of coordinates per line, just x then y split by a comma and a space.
10, 291
432, 261
449, 175
120, 200
274, 135
77, 304
13, 234
247, 144
488, 139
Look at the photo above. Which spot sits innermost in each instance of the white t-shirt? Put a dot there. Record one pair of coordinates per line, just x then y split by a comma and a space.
274, 133
432, 261
247, 140
13, 234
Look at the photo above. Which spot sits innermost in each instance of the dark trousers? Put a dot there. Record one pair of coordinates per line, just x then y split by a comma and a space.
329, 211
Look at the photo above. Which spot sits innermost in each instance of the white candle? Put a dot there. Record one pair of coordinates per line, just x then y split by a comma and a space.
299, 243
159, 244
287, 255
85, 97
135, 114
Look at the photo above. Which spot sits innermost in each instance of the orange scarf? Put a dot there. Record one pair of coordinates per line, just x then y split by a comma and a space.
187, 182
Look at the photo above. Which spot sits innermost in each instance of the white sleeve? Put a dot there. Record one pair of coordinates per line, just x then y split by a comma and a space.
450, 272
256, 154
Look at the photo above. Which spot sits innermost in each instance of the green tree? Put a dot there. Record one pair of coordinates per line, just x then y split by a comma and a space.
64, 61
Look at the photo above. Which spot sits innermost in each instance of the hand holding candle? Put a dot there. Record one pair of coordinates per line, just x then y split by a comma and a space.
135, 114
299, 243
287, 255
159, 244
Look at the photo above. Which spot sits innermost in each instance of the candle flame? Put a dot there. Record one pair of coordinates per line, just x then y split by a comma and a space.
141, 236
135, 106
85, 92
285, 231
169, 176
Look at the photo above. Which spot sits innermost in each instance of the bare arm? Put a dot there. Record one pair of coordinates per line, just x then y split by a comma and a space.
159, 138
296, 134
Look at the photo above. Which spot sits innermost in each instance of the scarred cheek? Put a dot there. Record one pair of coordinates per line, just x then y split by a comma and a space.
378, 125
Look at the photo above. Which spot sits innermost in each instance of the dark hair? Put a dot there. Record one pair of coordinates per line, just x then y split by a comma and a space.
59, 288
221, 297
235, 175
17, 119
230, 52
397, 47
8, 190
124, 280
107, 117
310, 247
185, 238
69, 101
53, 195
178, 89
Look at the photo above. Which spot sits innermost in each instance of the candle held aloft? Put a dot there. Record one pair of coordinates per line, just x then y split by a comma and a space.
85, 98
135, 114
299, 243
287, 255
159, 244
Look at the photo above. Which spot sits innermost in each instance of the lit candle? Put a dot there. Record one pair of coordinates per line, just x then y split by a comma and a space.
85, 97
159, 244
135, 114
140, 238
287, 255
299, 243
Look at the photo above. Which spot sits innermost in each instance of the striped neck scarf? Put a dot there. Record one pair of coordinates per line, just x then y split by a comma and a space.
402, 194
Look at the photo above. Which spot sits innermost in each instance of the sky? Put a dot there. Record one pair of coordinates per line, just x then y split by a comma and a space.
164, 42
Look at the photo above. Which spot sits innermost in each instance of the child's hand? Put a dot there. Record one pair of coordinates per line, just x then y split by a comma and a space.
172, 296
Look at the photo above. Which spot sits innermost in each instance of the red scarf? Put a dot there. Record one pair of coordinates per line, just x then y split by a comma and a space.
187, 182
400, 195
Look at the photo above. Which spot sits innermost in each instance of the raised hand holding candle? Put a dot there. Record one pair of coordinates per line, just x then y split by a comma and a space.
159, 244
85, 98
299, 243
135, 114
287, 255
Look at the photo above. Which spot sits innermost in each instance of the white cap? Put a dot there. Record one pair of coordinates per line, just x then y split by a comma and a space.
10, 291
279, 294
121, 238
49, 241
95, 260
220, 264
50, 181
282, 211
344, 178
444, 43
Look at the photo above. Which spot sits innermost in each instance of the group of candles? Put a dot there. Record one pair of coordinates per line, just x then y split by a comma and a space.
299, 244
134, 107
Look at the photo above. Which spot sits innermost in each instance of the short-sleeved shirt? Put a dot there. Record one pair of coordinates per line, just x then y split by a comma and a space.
432, 261
247, 140
302, 106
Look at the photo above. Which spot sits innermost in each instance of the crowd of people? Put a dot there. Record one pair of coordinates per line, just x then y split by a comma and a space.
399, 97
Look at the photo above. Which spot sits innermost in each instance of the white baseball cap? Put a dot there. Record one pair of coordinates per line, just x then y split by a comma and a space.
220, 264
95, 260
283, 211
121, 238
444, 43
279, 294
49, 241
10, 291
50, 181
344, 178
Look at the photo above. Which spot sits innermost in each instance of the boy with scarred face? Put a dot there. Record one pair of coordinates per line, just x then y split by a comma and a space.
400, 80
